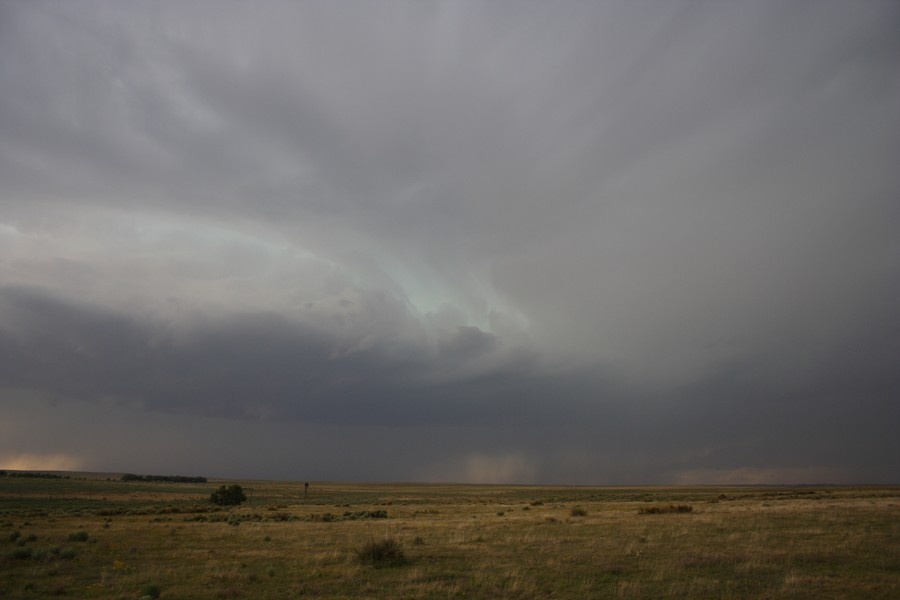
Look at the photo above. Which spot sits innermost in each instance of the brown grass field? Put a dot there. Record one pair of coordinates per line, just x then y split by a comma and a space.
457, 541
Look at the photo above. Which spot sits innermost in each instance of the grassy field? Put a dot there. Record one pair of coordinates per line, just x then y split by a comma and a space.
89, 537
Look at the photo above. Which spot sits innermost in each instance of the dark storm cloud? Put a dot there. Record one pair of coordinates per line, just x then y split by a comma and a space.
627, 242
254, 365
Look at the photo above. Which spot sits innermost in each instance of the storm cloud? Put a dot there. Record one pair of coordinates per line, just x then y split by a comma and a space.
608, 242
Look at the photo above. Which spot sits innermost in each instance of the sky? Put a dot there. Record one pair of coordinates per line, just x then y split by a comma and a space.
649, 242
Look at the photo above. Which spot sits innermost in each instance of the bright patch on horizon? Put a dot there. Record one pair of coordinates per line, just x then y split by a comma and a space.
41, 462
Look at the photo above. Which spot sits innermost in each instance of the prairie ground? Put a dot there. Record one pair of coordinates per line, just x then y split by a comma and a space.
93, 537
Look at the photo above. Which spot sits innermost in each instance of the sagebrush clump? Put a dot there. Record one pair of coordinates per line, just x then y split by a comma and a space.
383, 553
662, 510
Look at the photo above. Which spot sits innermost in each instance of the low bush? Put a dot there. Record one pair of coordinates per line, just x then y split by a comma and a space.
79, 536
383, 553
662, 510
578, 512
21, 554
365, 514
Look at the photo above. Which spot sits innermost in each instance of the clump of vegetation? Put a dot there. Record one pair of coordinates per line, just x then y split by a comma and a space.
662, 510
79, 536
152, 590
40, 554
21, 554
347, 516
383, 553
365, 514
15, 535
228, 495
578, 512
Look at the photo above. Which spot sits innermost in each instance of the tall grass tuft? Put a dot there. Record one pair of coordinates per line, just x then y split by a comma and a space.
383, 553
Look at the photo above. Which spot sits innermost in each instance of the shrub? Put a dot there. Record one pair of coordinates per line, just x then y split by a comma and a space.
386, 552
21, 554
79, 536
662, 510
364, 514
578, 512
15, 535
228, 496
152, 590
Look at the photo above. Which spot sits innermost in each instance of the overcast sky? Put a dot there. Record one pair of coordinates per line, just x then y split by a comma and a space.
533, 242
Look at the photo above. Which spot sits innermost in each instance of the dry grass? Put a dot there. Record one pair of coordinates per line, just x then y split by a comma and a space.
736, 543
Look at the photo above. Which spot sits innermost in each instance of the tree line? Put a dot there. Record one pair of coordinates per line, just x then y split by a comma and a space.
32, 474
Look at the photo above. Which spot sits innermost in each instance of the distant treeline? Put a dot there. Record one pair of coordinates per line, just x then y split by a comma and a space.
29, 474
166, 478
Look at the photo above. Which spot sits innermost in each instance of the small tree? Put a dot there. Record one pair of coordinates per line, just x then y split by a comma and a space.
228, 496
